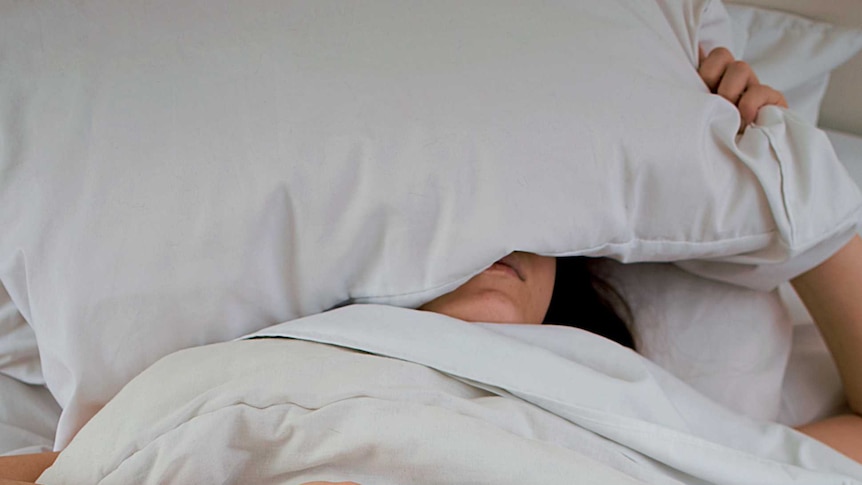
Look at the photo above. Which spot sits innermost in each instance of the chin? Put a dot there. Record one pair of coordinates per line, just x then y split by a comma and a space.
487, 307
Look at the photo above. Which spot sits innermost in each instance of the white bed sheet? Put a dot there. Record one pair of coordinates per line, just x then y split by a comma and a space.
234, 410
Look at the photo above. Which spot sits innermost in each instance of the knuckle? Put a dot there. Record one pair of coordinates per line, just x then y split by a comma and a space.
721, 53
711, 80
740, 66
725, 89
759, 90
749, 101
731, 90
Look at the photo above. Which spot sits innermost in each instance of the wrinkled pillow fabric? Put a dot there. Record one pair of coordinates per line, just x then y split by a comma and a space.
19, 355
188, 174
731, 344
793, 54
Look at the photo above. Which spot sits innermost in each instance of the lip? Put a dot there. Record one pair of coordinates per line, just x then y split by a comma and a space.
511, 261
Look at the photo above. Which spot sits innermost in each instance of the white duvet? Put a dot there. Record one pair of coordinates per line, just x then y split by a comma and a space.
384, 395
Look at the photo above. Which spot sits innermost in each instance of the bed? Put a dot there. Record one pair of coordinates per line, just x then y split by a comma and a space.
139, 230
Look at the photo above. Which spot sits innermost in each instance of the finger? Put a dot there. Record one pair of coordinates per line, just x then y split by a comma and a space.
757, 97
737, 78
713, 66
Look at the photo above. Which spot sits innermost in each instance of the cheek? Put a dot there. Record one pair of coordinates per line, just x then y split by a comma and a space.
485, 298
488, 305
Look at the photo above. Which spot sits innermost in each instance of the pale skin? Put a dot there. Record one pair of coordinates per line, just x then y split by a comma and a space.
518, 289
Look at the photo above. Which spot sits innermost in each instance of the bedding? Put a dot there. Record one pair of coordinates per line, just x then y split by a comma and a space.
793, 54
729, 343
810, 148
384, 164
848, 148
28, 412
28, 417
405, 396
781, 371
811, 388
842, 103
19, 355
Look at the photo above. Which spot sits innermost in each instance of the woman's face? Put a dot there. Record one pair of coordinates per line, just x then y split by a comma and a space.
516, 289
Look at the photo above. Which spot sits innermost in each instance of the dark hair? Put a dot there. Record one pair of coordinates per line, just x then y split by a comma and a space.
583, 300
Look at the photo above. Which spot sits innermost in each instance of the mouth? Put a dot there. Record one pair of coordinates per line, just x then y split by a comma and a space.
509, 264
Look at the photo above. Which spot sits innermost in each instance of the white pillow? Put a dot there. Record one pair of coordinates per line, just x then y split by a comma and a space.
19, 355
791, 53
28, 417
746, 349
730, 343
849, 150
176, 175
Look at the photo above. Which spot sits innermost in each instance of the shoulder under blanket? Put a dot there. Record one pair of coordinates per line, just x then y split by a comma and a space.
383, 395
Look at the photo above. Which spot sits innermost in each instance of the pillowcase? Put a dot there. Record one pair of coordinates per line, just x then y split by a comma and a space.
848, 148
791, 53
19, 355
730, 343
28, 418
176, 175
746, 349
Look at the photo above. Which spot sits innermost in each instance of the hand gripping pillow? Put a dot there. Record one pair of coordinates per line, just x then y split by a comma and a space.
175, 174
